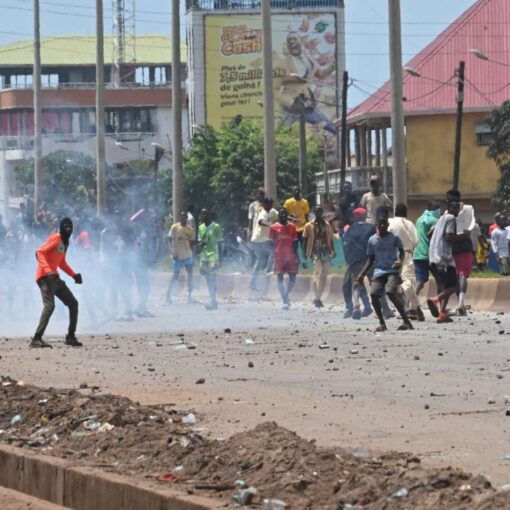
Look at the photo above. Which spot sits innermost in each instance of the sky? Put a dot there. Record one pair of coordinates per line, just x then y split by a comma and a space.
366, 28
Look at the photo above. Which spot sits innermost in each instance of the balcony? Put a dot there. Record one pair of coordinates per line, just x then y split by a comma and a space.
358, 176
214, 5
26, 143
84, 96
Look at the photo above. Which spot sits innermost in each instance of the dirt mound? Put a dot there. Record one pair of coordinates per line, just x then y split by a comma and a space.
119, 435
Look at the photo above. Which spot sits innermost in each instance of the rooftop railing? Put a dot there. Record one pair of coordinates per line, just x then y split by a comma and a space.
26, 142
212, 5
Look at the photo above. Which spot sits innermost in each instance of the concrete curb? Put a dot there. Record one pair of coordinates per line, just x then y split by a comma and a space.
82, 488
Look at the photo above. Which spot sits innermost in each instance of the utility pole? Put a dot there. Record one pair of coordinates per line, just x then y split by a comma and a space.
397, 105
177, 198
38, 168
458, 126
268, 101
100, 130
343, 134
302, 145
326, 174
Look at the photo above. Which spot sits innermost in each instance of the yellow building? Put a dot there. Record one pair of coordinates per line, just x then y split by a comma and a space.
430, 103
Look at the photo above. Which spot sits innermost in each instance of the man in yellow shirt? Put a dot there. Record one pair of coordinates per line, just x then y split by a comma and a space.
298, 209
181, 237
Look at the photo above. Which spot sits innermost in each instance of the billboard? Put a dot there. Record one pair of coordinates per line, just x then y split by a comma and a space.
304, 68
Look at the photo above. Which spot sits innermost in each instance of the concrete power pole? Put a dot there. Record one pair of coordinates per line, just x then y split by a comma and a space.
100, 130
38, 169
177, 192
268, 101
397, 105
458, 124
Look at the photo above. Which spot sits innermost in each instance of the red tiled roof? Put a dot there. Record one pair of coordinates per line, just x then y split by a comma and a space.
486, 27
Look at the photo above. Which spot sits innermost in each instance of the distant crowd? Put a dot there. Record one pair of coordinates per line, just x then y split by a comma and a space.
381, 246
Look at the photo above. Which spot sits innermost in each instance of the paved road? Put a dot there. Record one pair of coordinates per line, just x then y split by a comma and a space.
10, 500
425, 391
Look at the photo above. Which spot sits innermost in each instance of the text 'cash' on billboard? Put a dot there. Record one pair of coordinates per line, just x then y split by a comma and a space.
304, 68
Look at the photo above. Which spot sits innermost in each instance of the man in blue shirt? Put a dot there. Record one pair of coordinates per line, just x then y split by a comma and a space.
386, 252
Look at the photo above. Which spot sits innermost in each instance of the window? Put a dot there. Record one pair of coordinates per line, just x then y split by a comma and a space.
484, 135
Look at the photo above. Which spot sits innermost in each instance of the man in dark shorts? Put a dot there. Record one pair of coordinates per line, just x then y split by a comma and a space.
425, 227
443, 263
285, 239
462, 248
386, 252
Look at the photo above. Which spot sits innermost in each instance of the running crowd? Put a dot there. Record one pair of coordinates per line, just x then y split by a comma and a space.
381, 246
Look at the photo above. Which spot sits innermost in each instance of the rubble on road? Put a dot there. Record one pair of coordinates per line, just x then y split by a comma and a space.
275, 465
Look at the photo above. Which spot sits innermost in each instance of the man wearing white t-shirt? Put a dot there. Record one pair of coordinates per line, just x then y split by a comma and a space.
261, 243
406, 231
500, 242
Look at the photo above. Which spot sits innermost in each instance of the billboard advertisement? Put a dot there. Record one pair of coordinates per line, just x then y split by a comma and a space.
304, 68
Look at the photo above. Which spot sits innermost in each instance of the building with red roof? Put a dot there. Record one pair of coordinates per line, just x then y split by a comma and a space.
430, 91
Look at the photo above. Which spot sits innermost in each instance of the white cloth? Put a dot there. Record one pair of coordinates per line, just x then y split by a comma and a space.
261, 232
405, 229
465, 219
499, 241
253, 210
440, 251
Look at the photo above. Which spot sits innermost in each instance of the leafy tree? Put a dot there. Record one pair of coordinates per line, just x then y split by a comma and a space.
68, 179
499, 151
223, 168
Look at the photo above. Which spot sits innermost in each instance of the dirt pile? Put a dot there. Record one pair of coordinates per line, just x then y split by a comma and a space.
119, 435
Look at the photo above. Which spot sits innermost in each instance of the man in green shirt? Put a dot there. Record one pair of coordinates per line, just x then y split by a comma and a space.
210, 240
425, 227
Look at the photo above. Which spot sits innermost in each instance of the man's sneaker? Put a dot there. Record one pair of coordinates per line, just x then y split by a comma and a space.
125, 318
211, 306
405, 327
356, 315
461, 311
73, 341
145, 314
285, 306
316, 303
39, 343
381, 328
443, 318
432, 304
348, 314
320, 304
366, 312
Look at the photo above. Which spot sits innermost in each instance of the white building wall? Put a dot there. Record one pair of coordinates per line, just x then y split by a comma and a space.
132, 149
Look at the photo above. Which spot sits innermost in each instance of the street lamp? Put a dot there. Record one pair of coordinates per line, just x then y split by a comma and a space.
482, 56
120, 145
159, 146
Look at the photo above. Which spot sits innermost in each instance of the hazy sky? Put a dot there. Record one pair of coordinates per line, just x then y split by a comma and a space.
366, 28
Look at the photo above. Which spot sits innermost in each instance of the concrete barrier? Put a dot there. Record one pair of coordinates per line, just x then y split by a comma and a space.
491, 294
63, 483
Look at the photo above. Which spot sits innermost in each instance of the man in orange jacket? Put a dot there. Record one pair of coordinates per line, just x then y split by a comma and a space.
51, 256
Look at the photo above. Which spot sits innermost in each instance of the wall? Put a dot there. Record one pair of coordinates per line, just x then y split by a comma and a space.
430, 141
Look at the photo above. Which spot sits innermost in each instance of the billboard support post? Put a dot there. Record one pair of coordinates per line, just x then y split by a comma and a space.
268, 101
302, 146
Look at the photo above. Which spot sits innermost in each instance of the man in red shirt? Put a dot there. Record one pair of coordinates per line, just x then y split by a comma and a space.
285, 239
51, 256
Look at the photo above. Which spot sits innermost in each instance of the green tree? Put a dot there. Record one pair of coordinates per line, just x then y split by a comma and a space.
499, 151
223, 168
68, 178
